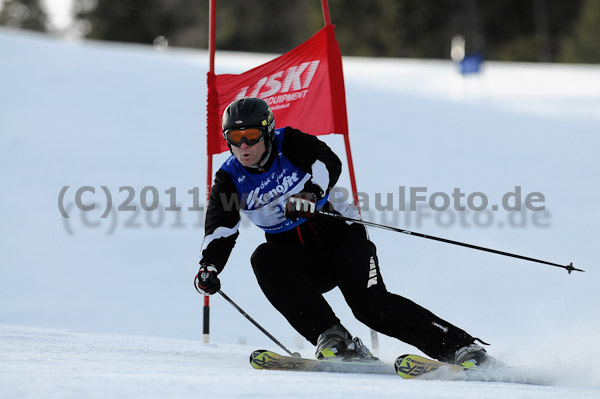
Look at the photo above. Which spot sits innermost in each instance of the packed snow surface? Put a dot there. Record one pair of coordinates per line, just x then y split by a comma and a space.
59, 363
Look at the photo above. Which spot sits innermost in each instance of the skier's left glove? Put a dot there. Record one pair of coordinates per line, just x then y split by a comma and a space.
301, 205
206, 281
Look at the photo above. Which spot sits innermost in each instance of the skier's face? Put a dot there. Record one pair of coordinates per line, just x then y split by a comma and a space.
249, 155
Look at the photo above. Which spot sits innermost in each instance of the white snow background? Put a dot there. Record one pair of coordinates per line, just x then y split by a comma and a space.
105, 307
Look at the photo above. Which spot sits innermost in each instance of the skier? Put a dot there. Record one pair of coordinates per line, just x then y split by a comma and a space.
280, 178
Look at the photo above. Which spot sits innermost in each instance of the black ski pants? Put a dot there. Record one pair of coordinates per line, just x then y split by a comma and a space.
293, 274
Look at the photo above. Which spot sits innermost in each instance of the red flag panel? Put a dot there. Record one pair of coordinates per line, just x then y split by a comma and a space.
304, 87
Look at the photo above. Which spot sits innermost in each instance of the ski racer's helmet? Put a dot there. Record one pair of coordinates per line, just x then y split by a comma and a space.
245, 115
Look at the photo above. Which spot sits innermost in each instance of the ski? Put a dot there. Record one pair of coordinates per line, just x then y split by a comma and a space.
267, 360
414, 366
406, 366
422, 368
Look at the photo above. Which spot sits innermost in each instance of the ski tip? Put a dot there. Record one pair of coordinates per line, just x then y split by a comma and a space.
256, 353
399, 359
399, 365
260, 358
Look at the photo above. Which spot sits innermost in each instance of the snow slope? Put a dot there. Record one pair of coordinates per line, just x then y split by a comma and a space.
96, 114
56, 363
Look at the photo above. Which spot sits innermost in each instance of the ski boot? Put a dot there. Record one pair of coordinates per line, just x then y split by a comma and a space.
337, 343
474, 355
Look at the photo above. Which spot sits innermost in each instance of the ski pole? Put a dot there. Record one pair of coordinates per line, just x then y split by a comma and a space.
568, 267
295, 354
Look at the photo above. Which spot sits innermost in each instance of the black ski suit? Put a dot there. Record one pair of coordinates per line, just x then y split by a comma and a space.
294, 267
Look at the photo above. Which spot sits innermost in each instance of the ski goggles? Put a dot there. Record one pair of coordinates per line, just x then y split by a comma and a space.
249, 136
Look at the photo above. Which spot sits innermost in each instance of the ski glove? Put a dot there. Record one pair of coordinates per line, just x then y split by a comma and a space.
301, 205
206, 281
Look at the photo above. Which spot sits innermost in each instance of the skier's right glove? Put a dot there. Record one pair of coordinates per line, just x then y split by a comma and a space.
206, 281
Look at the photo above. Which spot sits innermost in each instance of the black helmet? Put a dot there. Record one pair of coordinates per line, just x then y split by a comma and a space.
249, 112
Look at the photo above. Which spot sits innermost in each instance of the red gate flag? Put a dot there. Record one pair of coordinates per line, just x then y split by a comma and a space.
304, 88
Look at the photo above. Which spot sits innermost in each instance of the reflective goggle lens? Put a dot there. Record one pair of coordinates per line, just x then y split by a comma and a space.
250, 136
